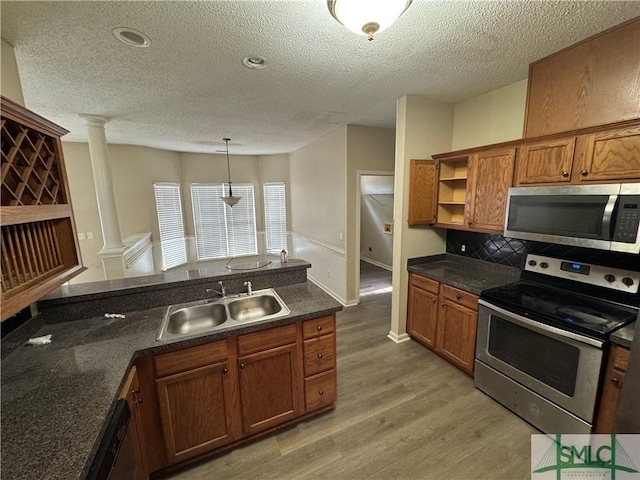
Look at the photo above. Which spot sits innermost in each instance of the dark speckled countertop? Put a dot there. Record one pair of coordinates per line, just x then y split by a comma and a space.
464, 273
56, 398
624, 336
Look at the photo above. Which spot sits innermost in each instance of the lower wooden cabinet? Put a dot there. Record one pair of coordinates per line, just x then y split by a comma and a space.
613, 381
134, 396
196, 410
270, 389
211, 395
443, 319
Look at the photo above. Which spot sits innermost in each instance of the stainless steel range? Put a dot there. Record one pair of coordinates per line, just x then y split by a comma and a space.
542, 341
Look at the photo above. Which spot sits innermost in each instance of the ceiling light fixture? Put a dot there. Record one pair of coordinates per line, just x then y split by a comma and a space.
230, 200
255, 62
131, 37
367, 17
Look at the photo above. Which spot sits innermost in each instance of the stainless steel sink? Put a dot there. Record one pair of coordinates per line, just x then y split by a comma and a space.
197, 318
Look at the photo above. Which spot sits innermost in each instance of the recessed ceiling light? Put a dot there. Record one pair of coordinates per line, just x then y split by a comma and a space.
131, 37
254, 62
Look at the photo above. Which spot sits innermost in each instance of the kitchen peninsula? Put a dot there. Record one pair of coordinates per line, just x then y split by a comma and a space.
57, 398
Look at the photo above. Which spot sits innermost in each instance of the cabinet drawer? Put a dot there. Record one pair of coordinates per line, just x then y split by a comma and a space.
423, 283
318, 326
620, 358
320, 390
266, 339
190, 358
319, 354
460, 297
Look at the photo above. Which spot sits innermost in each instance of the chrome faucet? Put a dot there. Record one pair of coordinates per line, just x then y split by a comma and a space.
249, 288
222, 292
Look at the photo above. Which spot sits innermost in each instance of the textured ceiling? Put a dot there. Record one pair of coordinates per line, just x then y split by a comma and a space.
189, 89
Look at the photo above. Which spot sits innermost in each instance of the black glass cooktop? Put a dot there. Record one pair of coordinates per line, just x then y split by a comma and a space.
564, 309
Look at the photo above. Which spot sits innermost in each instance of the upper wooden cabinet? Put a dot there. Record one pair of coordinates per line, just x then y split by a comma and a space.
545, 162
39, 243
422, 192
611, 155
594, 82
472, 189
490, 176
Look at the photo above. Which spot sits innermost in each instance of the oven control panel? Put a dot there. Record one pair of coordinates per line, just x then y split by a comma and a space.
613, 278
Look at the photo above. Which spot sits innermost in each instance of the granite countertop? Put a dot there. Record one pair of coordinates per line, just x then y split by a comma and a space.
624, 336
464, 273
56, 398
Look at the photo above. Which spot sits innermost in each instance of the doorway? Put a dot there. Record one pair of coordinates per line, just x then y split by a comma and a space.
375, 232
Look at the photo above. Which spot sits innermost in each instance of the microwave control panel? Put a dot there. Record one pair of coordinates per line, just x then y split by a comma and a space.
613, 278
627, 219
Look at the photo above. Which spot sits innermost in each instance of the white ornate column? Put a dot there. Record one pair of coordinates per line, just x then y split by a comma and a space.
113, 249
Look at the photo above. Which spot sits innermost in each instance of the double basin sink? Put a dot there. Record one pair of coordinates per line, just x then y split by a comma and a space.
205, 316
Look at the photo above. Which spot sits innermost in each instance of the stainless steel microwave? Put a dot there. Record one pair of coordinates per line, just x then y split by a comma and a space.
606, 217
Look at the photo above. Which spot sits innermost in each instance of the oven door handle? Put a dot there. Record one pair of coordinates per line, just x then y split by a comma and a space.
542, 327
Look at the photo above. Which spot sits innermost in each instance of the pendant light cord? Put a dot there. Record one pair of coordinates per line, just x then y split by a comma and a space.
226, 140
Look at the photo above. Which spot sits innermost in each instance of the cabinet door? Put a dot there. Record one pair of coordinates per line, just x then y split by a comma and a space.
422, 192
457, 335
197, 410
547, 162
612, 385
490, 176
422, 316
134, 397
612, 155
271, 390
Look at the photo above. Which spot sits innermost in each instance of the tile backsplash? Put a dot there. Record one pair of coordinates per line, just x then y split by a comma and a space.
512, 252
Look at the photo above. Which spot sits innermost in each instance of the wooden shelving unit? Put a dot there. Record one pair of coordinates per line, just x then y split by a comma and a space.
39, 243
452, 190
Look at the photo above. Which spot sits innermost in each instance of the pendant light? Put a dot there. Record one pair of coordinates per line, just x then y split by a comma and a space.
367, 17
230, 200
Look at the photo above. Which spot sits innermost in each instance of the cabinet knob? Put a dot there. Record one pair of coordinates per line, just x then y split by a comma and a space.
442, 304
136, 391
139, 400
565, 173
225, 370
433, 300
584, 173
319, 355
617, 381
319, 327
242, 365
458, 297
321, 392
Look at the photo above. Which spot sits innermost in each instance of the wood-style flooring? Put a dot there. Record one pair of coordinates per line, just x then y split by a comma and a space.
402, 413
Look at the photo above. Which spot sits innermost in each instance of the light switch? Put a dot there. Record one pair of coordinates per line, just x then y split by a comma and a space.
81, 236
89, 235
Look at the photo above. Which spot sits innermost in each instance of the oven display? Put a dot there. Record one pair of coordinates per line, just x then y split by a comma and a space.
575, 268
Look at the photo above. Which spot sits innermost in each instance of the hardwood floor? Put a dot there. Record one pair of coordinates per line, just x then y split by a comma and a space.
373, 279
402, 413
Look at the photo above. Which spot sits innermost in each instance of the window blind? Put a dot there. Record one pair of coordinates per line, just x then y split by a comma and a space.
275, 217
222, 231
170, 223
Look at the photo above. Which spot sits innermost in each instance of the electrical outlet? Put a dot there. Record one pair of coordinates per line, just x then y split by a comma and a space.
89, 235
463, 248
81, 236
328, 273
370, 249
341, 236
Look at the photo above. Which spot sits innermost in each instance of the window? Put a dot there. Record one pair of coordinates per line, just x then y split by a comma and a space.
275, 217
223, 231
169, 208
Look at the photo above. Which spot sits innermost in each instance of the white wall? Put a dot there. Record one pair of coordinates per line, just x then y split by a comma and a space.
497, 116
10, 85
423, 127
318, 209
368, 149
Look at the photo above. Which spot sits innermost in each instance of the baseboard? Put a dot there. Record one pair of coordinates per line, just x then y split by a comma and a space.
343, 302
376, 263
393, 336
